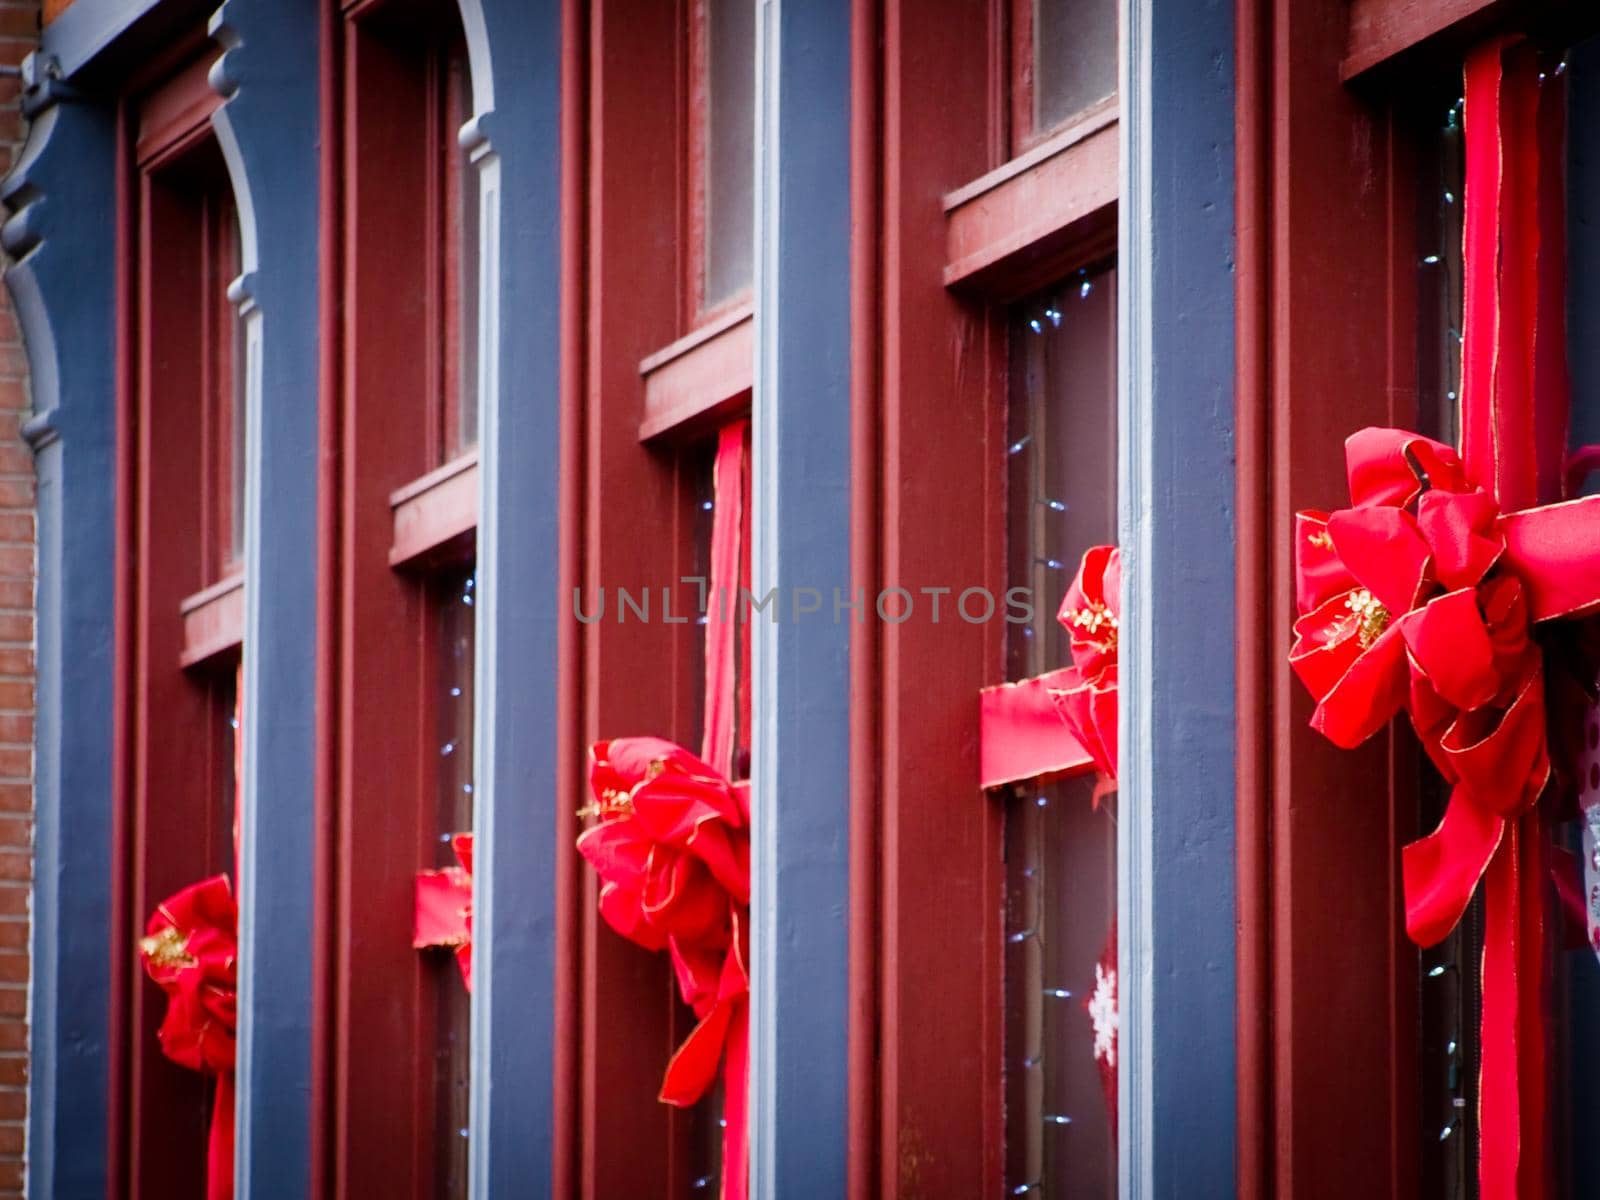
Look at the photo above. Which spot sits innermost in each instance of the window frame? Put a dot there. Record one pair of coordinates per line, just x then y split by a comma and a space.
657, 378
404, 521
947, 274
179, 619
1302, 1100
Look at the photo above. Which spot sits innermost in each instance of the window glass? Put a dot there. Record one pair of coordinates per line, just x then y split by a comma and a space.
1448, 993
455, 630
1060, 836
461, 233
730, 148
1074, 57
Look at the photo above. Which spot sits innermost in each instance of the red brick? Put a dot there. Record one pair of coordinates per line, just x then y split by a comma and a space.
16, 696
11, 1139
13, 900
11, 1176
16, 562
16, 797
16, 764
16, 864
13, 1003
13, 1039
16, 493
18, 593
16, 833
14, 1072
13, 936
16, 728
17, 660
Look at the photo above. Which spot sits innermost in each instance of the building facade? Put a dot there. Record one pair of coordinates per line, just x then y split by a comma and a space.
696, 598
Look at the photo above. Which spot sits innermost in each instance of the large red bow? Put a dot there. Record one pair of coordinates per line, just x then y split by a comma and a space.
443, 913
1422, 596
672, 848
191, 949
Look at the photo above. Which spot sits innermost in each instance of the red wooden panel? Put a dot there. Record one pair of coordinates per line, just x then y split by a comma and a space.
437, 514
636, 517
177, 750
1335, 287
942, 431
177, 111
383, 768
700, 379
1382, 31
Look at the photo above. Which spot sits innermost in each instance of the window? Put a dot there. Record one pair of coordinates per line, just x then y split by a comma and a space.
1060, 835
667, 329
407, 507
1064, 63
995, 332
181, 492
725, 128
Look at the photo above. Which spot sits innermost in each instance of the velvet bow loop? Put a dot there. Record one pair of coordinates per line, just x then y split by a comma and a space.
190, 949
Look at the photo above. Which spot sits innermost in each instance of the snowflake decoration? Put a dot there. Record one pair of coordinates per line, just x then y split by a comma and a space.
1103, 1014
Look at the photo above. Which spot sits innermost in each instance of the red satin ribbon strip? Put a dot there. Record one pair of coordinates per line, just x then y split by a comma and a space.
1023, 735
1514, 407
1063, 722
722, 599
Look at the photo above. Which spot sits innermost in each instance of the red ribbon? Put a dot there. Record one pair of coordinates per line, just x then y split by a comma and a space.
443, 913
672, 849
1064, 721
671, 842
1422, 594
190, 949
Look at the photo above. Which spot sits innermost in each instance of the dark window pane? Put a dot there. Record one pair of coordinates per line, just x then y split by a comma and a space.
1062, 454
730, 148
1447, 982
1060, 839
453, 1004
462, 198
1074, 57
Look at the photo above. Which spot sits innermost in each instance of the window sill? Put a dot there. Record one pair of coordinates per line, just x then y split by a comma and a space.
699, 379
436, 516
213, 621
1024, 223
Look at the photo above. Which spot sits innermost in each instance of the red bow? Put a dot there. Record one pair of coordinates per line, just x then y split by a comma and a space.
1085, 694
443, 913
191, 949
672, 848
1063, 721
1416, 598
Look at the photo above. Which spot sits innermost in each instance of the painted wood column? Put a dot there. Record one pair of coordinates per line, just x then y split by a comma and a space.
61, 234
1176, 526
267, 128
515, 49
801, 660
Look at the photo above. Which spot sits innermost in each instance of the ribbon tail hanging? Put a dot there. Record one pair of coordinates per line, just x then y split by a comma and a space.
736, 1107
219, 1142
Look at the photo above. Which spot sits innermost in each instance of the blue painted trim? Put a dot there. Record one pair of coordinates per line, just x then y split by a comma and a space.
516, 146
90, 28
63, 199
268, 130
1176, 837
800, 899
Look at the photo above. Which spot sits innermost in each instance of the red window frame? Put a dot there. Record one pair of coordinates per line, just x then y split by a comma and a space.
934, 281
652, 377
180, 599
404, 520
1317, 82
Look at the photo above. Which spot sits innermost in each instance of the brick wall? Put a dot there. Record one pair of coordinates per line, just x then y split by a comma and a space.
19, 26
